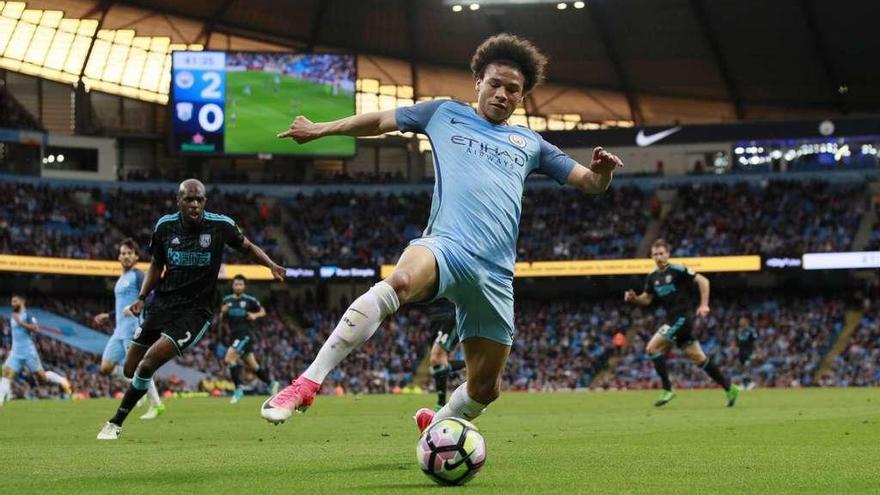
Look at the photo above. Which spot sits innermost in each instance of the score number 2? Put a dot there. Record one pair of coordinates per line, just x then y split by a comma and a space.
211, 115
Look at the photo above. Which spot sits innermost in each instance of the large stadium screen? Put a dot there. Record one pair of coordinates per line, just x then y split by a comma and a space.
236, 102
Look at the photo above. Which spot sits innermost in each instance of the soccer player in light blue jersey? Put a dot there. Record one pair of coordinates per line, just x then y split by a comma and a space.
126, 291
467, 252
24, 352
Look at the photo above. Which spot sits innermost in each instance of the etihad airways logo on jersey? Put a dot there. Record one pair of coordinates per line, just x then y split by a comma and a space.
495, 154
188, 258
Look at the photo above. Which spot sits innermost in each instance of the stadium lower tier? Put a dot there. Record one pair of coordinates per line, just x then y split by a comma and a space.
560, 345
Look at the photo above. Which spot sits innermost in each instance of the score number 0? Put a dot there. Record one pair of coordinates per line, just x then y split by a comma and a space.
211, 115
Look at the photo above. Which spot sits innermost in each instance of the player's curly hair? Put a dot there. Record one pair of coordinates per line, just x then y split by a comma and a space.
512, 50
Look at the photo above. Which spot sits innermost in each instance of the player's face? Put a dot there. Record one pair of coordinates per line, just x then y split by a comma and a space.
16, 304
127, 257
191, 202
238, 287
660, 256
499, 92
743, 323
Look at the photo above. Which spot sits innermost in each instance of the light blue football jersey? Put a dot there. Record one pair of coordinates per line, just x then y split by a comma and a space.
127, 288
480, 171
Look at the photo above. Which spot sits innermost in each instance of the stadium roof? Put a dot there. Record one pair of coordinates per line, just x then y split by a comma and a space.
653, 61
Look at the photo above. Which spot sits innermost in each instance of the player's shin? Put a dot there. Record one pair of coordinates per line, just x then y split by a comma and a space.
358, 324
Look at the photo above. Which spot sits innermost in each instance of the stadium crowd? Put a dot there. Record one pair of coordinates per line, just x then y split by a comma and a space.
778, 218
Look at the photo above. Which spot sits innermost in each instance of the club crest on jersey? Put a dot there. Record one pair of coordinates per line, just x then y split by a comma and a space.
668, 278
242, 304
205, 240
517, 140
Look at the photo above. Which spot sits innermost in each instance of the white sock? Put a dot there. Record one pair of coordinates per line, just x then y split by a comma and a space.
55, 378
5, 386
118, 373
357, 325
153, 394
460, 405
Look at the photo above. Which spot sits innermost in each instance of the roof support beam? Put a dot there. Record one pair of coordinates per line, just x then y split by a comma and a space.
711, 39
595, 12
821, 48
208, 28
413, 42
317, 23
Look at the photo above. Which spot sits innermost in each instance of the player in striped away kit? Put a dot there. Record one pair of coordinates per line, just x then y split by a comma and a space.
241, 310
671, 286
188, 246
467, 252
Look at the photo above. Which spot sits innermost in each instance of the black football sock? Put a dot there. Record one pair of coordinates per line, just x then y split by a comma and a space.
441, 377
714, 373
262, 374
659, 360
136, 390
235, 374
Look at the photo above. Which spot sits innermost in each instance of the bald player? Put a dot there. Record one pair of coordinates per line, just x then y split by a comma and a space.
188, 247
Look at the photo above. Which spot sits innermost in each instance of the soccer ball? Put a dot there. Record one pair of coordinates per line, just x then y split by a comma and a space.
451, 451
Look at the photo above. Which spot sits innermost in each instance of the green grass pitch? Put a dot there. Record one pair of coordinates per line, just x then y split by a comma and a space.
773, 441
262, 115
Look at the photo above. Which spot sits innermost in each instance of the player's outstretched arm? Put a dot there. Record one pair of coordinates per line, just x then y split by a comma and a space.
279, 272
596, 178
303, 130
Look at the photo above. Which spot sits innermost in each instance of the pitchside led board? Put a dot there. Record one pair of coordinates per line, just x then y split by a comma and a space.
235, 103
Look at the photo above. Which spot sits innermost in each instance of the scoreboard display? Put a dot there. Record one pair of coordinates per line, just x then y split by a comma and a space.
199, 100
235, 103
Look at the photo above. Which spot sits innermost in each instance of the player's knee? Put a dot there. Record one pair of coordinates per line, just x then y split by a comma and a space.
401, 281
146, 368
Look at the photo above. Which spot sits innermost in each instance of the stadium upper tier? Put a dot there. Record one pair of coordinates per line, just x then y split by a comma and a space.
370, 225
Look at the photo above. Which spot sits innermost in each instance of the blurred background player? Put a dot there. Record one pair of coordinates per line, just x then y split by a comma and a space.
672, 286
441, 318
240, 311
24, 352
126, 291
187, 250
746, 336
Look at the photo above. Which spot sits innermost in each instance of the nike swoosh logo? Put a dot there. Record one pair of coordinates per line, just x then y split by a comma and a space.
643, 140
458, 122
449, 467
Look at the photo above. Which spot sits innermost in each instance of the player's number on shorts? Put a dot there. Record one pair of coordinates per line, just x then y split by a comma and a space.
182, 342
211, 90
664, 330
442, 338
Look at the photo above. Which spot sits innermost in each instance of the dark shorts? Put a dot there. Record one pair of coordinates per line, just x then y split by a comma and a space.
678, 329
183, 329
445, 327
243, 343
745, 355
